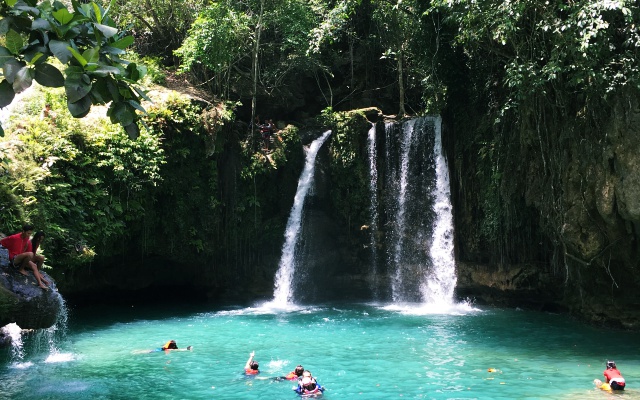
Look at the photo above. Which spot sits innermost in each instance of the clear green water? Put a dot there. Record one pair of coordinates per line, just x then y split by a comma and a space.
356, 351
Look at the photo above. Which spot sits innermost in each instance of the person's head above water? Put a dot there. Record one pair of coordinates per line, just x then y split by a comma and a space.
171, 344
253, 365
299, 370
611, 364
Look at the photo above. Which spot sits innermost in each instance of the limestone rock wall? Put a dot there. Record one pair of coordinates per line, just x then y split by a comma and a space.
567, 214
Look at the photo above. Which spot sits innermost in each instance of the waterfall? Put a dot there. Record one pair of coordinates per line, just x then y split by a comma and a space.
14, 334
418, 213
373, 209
442, 280
286, 269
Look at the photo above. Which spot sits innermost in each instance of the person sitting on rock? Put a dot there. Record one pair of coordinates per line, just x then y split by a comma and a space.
21, 253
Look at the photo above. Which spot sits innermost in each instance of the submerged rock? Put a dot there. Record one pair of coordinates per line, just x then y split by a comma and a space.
23, 302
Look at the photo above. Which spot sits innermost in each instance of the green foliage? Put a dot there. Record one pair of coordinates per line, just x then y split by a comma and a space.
257, 164
349, 170
80, 181
160, 26
86, 41
156, 73
335, 21
552, 47
218, 39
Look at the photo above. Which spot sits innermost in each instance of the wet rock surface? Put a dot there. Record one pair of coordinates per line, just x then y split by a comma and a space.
25, 303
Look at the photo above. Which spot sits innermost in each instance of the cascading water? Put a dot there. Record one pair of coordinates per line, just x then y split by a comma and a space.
442, 279
373, 188
284, 277
418, 213
39, 340
14, 334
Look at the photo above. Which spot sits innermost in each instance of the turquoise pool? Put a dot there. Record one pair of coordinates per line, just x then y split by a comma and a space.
357, 351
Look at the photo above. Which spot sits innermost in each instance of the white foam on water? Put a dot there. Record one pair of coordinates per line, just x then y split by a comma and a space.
60, 357
463, 308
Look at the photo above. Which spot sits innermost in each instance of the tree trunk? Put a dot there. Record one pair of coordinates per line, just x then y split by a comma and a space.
401, 112
256, 49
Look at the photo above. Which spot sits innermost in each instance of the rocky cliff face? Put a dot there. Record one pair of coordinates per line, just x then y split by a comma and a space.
568, 206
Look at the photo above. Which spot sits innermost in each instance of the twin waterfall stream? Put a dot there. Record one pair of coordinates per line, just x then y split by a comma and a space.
412, 205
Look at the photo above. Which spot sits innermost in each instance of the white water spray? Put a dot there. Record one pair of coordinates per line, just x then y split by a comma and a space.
373, 189
442, 280
284, 277
421, 238
401, 208
14, 333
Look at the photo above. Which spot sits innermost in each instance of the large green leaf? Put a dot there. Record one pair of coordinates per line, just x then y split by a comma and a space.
112, 50
123, 43
41, 24
35, 54
5, 24
132, 130
97, 12
80, 108
25, 8
107, 31
60, 50
6, 93
104, 70
99, 92
5, 55
122, 113
48, 75
76, 85
92, 55
23, 79
77, 56
14, 41
112, 87
63, 16
11, 68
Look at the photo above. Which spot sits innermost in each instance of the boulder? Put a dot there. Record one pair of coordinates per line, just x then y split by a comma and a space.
23, 302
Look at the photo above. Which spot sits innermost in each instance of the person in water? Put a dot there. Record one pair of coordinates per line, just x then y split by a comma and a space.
613, 377
308, 385
295, 374
251, 367
171, 345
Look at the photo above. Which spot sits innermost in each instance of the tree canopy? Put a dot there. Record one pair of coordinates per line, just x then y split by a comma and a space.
85, 41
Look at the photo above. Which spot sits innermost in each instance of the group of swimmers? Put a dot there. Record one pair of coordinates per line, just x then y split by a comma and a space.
307, 384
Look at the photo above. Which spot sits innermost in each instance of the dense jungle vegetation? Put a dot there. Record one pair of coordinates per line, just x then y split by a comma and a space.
186, 181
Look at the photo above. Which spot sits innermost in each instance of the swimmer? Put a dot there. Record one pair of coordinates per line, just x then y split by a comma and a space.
613, 376
307, 385
171, 345
251, 367
295, 374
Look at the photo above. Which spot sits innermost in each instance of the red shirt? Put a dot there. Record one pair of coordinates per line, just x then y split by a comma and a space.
251, 371
612, 373
16, 244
